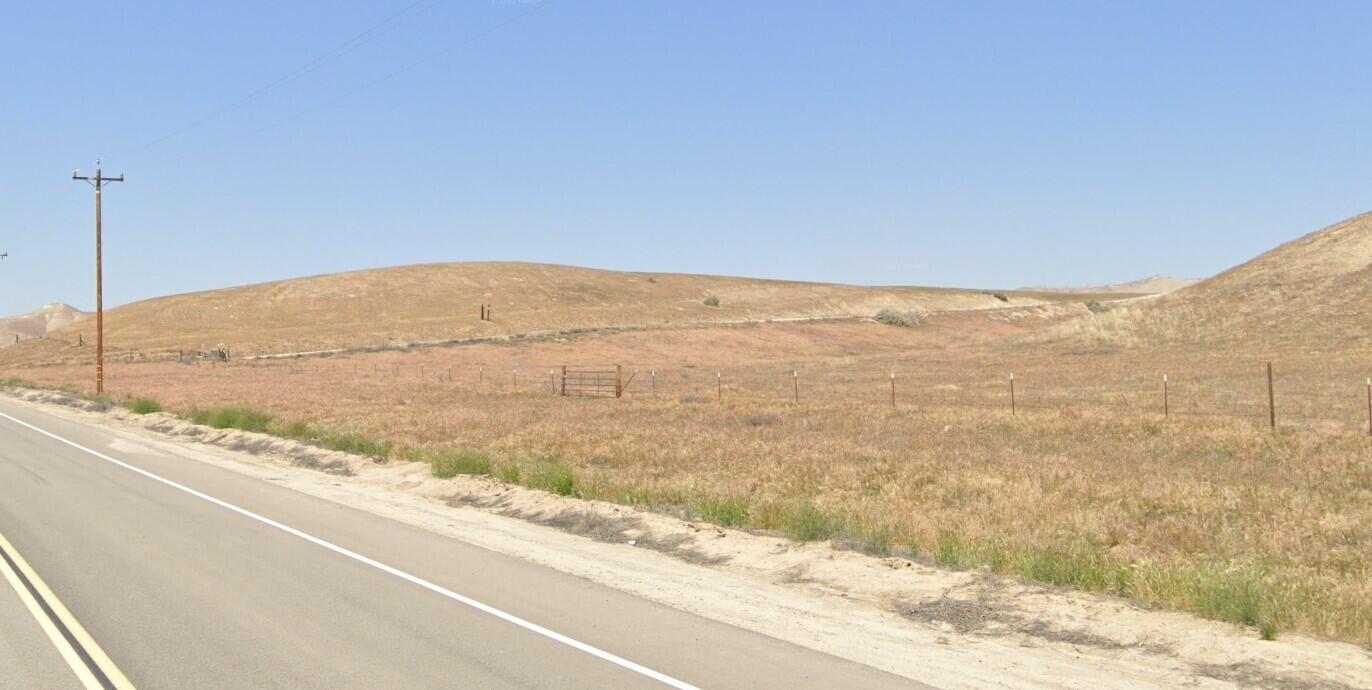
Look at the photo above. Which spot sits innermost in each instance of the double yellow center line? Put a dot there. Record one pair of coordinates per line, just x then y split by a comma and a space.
87, 660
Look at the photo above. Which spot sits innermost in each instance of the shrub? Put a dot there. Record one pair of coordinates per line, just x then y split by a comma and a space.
761, 419
1096, 307
712, 301
890, 317
1000, 296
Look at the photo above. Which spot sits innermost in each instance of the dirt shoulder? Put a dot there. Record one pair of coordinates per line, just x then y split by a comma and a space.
951, 629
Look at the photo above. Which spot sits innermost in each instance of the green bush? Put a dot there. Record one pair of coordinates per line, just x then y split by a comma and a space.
1096, 307
712, 301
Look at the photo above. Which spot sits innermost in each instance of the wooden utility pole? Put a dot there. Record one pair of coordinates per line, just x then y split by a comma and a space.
98, 181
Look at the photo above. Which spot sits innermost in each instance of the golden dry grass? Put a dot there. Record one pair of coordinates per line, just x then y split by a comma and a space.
440, 302
1088, 486
1312, 292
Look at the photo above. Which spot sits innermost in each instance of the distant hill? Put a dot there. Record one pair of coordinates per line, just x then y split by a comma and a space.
38, 323
442, 301
1314, 293
1152, 285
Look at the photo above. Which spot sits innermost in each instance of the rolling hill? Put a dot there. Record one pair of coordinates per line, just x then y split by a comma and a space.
1152, 285
1314, 292
437, 302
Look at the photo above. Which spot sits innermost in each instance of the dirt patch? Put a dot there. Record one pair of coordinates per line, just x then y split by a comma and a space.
1250, 675
629, 530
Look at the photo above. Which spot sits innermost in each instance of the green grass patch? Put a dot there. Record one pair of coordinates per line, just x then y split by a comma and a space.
15, 382
805, 522
1078, 569
725, 512
552, 475
510, 474
1237, 596
450, 463
333, 439
241, 418
143, 405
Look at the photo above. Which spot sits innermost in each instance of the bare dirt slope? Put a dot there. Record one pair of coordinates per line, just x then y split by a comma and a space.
441, 301
1312, 293
38, 323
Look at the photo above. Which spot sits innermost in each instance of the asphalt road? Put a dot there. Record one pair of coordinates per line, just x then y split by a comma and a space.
230, 581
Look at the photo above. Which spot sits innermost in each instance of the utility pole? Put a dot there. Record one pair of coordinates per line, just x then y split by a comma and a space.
98, 181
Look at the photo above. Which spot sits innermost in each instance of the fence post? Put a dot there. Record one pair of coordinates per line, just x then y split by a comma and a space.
719, 387
619, 380
1271, 399
514, 378
564, 380
1164, 396
653, 375
795, 379
481, 375
1369, 407
893, 390
1012, 394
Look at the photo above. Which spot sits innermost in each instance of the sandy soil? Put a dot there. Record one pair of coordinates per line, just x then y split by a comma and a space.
953, 629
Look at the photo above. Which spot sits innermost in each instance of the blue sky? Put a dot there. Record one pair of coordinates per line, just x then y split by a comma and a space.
961, 144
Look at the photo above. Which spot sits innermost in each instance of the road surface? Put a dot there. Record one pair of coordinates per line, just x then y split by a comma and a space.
182, 574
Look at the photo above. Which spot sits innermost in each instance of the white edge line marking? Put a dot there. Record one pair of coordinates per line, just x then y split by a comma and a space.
413, 579
64, 648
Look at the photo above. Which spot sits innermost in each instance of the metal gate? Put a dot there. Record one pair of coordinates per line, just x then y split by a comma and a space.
593, 382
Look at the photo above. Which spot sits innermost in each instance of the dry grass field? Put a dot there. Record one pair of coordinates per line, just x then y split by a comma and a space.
442, 302
1087, 484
